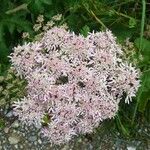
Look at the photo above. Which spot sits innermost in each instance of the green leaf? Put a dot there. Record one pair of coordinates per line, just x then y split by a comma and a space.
11, 28
3, 46
145, 48
46, 119
20, 24
85, 30
48, 2
121, 126
36, 7
2, 123
132, 23
144, 98
144, 92
122, 32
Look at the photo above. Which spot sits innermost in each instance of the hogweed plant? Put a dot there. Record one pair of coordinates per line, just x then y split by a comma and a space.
74, 82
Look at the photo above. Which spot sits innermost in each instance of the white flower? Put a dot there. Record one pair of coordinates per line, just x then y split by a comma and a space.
76, 81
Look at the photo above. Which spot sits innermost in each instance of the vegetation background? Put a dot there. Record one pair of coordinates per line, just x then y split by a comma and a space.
128, 19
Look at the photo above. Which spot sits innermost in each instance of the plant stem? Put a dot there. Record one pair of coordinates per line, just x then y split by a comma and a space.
141, 37
121, 14
96, 18
21, 7
142, 22
137, 103
125, 132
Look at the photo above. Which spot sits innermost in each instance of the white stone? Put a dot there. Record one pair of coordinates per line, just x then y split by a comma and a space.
39, 141
131, 148
13, 139
15, 124
32, 138
6, 130
16, 146
9, 114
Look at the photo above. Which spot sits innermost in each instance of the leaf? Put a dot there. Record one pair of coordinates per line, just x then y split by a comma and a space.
20, 24
36, 7
48, 2
145, 52
145, 48
132, 23
1, 32
11, 28
122, 32
3, 47
2, 123
74, 22
144, 92
85, 30
18, 8
143, 95
144, 98
46, 119
121, 126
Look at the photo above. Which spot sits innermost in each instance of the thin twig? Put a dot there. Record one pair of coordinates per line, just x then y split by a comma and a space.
98, 20
121, 14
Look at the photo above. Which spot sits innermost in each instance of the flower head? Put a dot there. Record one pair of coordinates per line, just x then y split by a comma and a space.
77, 81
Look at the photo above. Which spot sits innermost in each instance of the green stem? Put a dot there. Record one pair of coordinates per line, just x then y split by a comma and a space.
96, 18
137, 103
141, 37
121, 126
142, 22
21, 7
121, 14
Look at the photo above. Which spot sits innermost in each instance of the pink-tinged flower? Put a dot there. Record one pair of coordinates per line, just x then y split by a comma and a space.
76, 81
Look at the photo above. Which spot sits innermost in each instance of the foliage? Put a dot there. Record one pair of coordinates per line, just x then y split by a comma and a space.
19, 16
11, 25
2, 123
11, 88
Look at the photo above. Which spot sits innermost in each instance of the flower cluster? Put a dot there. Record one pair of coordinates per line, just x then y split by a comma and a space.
75, 81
